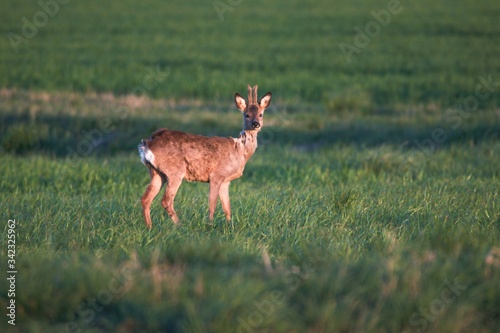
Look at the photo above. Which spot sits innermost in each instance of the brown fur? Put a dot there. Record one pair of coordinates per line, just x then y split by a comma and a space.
201, 155
172, 156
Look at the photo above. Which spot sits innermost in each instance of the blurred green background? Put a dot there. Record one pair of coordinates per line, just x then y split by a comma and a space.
429, 52
371, 204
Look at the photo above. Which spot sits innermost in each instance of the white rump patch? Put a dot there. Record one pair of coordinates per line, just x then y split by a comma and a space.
146, 155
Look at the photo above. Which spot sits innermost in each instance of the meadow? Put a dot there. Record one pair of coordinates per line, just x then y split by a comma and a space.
371, 204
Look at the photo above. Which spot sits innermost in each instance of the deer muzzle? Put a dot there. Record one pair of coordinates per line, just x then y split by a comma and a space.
255, 125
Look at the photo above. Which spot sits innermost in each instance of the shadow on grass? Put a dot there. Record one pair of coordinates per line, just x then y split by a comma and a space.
65, 135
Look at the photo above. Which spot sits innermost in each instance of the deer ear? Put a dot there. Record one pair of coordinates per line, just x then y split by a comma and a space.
241, 104
265, 101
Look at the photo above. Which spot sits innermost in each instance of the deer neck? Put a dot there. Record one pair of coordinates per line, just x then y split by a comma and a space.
246, 143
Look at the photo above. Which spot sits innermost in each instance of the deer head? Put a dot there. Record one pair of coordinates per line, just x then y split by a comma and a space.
253, 111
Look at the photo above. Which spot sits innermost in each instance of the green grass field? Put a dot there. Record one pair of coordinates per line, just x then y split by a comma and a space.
371, 204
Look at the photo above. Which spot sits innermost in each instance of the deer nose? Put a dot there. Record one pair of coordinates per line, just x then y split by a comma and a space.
255, 124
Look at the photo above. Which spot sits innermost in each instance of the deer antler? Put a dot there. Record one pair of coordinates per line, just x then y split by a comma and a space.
250, 102
255, 97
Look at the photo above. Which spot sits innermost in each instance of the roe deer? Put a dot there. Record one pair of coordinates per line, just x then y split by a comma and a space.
172, 156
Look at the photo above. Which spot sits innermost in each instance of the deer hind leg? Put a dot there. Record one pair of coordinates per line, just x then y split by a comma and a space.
224, 199
174, 182
157, 180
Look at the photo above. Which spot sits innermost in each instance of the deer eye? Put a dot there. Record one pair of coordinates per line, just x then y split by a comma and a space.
260, 115
247, 116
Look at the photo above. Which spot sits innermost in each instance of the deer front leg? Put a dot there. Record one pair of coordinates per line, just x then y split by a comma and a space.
212, 198
168, 198
224, 199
